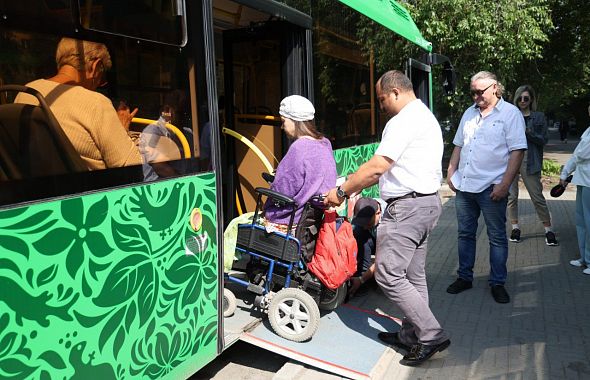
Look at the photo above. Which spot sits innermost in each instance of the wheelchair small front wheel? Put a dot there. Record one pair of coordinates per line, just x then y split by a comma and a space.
293, 314
229, 303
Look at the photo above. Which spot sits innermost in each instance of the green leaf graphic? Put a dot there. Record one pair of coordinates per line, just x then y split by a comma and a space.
109, 328
96, 242
124, 280
131, 237
46, 275
14, 244
97, 213
72, 211
30, 221
53, 359
13, 368
74, 259
55, 241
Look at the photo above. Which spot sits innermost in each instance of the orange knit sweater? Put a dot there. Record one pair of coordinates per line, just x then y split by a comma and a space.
91, 123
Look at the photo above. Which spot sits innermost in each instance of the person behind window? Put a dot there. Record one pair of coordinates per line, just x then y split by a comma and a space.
157, 147
307, 169
96, 130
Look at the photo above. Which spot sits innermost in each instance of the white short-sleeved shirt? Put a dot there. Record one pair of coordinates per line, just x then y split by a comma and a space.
486, 143
413, 140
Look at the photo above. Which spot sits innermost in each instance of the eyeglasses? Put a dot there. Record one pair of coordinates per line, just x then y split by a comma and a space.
524, 99
475, 93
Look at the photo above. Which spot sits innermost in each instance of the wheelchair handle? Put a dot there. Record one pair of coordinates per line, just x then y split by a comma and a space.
282, 198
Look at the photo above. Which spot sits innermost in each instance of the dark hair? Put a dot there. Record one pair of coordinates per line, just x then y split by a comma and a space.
395, 79
306, 128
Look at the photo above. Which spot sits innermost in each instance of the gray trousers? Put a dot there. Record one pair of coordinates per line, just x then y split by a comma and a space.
400, 261
533, 185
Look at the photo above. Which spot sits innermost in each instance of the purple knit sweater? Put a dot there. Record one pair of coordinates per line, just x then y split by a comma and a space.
307, 169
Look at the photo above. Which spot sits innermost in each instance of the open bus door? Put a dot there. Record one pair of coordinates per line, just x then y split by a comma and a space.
263, 60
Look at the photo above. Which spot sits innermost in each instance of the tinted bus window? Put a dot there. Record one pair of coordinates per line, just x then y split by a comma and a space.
168, 130
161, 21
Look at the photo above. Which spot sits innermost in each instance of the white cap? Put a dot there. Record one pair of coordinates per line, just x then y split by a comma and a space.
297, 108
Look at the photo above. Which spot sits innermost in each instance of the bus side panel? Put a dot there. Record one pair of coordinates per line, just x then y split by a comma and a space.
111, 285
348, 161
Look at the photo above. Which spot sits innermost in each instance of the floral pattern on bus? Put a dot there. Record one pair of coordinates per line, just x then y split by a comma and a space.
117, 277
348, 161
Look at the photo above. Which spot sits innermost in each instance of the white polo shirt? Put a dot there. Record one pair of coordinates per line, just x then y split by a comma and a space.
486, 143
413, 140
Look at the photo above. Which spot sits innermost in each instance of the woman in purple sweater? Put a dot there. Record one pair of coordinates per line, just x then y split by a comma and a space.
308, 168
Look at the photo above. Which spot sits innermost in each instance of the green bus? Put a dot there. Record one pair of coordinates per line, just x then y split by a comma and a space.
111, 274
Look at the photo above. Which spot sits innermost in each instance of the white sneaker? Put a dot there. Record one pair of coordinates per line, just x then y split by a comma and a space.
578, 263
586, 271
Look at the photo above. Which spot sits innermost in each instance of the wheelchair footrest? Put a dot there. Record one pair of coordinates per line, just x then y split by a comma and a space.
256, 289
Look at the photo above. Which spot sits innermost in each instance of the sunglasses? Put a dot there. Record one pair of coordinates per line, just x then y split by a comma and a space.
475, 93
524, 99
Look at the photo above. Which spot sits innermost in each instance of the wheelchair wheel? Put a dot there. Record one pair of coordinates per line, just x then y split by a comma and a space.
229, 303
293, 314
331, 299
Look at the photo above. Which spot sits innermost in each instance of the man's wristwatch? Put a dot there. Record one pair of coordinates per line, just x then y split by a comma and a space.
341, 193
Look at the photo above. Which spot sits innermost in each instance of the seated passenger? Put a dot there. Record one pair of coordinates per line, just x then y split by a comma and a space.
307, 169
157, 147
96, 130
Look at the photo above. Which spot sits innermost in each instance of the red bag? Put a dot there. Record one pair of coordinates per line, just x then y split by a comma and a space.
334, 260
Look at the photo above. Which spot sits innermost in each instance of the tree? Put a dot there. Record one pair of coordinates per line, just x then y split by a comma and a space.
485, 35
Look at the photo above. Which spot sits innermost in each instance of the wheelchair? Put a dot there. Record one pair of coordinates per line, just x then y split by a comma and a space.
277, 270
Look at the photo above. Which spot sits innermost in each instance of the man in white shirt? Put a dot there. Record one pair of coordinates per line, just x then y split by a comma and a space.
407, 165
489, 148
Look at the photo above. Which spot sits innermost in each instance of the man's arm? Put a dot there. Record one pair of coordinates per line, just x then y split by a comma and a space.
500, 190
366, 175
453, 165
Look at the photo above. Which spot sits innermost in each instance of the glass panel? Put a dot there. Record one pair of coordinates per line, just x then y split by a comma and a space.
342, 79
154, 20
152, 79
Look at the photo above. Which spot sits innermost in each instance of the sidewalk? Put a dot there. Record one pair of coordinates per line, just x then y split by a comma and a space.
543, 333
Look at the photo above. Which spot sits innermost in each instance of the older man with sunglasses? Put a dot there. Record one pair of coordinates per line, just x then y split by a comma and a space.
489, 148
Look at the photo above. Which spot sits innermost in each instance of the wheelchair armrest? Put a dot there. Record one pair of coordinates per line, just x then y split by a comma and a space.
268, 177
288, 201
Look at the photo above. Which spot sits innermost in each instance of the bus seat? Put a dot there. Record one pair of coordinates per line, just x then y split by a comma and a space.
32, 144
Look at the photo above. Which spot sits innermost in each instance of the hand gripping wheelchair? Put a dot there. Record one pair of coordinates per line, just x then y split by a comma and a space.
277, 272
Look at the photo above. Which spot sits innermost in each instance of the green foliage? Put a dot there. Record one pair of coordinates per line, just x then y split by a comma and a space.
488, 35
550, 168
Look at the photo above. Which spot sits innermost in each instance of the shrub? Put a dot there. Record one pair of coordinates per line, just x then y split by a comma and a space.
550, 168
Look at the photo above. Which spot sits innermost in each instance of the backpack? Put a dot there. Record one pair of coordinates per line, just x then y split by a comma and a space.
334, 260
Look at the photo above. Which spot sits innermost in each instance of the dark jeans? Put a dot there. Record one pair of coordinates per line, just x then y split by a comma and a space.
469, 206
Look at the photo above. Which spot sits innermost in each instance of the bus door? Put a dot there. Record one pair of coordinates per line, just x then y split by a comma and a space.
260, 59
419, 74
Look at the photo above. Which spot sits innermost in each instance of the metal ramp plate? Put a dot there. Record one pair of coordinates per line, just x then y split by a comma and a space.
345, 343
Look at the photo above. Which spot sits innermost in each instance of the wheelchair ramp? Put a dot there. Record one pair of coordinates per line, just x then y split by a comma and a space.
345, 343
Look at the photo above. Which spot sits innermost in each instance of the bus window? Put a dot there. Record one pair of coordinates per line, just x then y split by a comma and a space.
160, 21
150, 77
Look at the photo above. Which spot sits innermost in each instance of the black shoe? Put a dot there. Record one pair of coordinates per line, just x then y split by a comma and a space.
515, 236
421, 352
500, 294
459, 285
550, 238
393, 340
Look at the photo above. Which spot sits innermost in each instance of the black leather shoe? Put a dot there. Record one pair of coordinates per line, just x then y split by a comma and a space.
421, 352
393, 340
500, 294
459, 285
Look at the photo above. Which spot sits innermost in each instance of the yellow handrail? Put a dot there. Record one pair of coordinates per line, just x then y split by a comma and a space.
175, 130
250, 145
